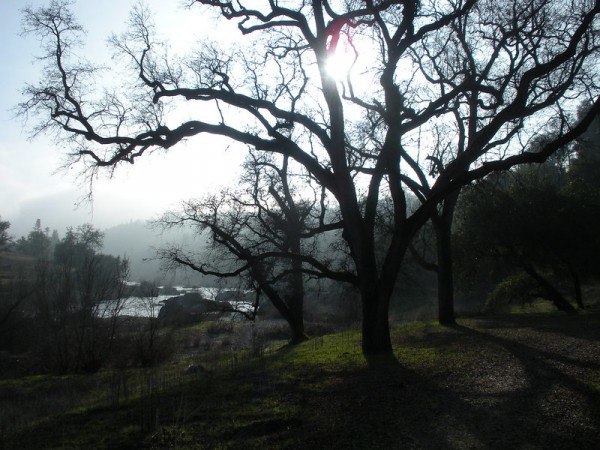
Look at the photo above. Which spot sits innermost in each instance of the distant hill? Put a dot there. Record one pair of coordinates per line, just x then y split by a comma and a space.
137, 241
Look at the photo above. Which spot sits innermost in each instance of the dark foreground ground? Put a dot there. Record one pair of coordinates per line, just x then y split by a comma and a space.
517, 381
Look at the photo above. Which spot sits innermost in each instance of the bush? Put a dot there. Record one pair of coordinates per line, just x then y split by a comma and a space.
218, 327
514, 290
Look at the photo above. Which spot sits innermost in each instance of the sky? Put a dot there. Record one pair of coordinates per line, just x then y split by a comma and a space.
31, 187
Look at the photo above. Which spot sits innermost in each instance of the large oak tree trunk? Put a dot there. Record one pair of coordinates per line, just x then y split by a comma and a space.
375, 321
297, 328
291, 313
445, 278
291, 308
296, 304
443, 230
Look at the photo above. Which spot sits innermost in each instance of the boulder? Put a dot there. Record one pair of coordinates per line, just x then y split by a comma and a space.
189, 308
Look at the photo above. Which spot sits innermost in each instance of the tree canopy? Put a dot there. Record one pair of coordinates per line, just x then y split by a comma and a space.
536, 225
37, 243
437, 94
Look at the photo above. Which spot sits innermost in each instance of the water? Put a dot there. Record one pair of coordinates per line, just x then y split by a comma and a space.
150, 306
136, 306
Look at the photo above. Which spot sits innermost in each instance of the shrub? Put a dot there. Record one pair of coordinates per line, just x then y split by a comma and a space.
514, 290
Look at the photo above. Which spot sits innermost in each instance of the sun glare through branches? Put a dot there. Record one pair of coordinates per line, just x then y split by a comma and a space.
342, 59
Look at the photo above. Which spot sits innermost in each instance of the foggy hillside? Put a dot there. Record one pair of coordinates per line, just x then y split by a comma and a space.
137, 241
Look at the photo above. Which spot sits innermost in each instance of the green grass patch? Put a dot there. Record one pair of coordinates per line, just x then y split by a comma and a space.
326, 351
38, 383
534, 307
594, 381
318, 394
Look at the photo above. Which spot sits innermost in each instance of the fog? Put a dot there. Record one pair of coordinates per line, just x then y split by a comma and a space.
32, 186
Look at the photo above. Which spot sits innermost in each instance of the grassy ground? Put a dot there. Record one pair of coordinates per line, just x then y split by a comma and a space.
517, 381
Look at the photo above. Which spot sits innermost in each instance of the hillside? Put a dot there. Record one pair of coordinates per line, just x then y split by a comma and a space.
137, 241
515, 381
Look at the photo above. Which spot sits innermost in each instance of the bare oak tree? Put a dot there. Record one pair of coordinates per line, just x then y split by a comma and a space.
266, 232
494, 74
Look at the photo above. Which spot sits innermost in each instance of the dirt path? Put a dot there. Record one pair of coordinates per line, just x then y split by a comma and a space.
512, 382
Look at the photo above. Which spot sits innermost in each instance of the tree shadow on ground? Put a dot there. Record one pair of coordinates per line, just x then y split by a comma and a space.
514, 394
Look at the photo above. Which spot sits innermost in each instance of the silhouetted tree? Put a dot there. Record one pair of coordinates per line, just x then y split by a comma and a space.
5, 238
78, 298
14, 288
36, 244
268, 231
502, 69
584, 167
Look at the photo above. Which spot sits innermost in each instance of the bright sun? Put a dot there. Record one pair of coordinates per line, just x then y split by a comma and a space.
341, 63
349, 65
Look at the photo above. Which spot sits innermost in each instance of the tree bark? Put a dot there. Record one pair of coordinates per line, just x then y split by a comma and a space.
295, 301
296, 305
445, 278
375, 322
291, 313
297, 328
551, 293
442, 225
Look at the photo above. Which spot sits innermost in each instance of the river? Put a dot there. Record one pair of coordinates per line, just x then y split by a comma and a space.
150, 306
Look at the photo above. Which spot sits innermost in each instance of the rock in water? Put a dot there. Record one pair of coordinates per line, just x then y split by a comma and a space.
189, 308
